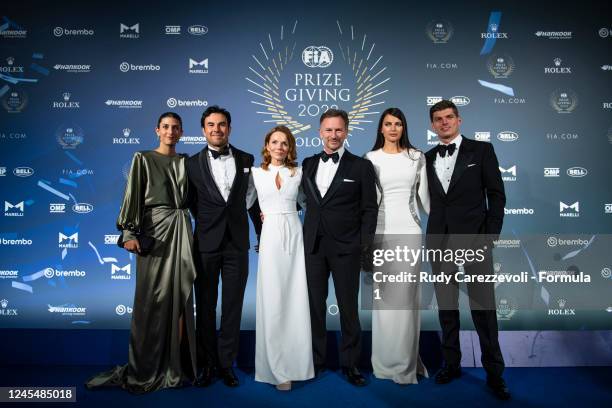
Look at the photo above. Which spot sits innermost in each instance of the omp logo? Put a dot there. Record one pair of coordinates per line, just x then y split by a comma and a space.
57, 208
13, 210
551, 171
569, 210
121, 273
482, 136
126, 31
68, 241
173, 29
198, 67
577, 172
111, 239
432, 100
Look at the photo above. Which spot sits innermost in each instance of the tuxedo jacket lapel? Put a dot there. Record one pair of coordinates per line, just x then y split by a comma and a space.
343, 169
431, 169
311, 181
238, 177
207, 177
463, 159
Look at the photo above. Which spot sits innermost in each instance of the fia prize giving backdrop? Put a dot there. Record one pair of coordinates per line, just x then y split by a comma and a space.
82, 85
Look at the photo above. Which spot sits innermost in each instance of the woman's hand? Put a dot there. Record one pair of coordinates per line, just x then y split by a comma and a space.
132, 246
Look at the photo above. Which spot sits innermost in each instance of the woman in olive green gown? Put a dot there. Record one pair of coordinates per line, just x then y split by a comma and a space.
155, 225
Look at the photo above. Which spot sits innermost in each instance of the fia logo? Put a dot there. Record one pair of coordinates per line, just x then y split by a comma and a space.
569, 210
317, 57
68, 241
14, 210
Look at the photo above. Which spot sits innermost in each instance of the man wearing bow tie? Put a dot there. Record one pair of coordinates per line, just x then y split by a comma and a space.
221, 184
467, 200
340, 222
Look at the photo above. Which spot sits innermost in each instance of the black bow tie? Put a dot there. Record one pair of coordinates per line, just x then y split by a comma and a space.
216, 153
450, 148
334, 156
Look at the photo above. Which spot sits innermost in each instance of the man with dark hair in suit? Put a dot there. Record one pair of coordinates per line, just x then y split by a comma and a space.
340, 222
467, 200
220, 176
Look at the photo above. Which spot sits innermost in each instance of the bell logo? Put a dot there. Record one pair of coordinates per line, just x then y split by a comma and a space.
317, 57
569, 210
121, 273
68, 241
577, 172
13, 210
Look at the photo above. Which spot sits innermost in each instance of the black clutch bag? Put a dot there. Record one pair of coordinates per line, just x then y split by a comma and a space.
145, 242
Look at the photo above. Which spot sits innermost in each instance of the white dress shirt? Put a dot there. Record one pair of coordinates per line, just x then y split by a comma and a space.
446, 165
223, 170
327, 171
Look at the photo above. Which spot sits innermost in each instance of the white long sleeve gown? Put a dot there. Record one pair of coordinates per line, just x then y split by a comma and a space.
402, 182
283, 350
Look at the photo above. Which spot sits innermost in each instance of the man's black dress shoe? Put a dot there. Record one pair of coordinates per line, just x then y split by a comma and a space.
354, 376
205, 378
447, 374
229, 377
499, 387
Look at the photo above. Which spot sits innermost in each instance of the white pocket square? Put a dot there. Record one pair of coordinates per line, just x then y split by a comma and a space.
471, 165
246, 170
348, 181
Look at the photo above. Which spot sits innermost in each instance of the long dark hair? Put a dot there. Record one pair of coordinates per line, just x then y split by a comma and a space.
404, 142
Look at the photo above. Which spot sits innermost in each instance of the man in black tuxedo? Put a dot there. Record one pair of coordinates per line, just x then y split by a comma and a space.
340, 222
220, 177
467, 200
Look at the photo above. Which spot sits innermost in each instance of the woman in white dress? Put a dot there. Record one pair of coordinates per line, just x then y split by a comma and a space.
283, 349
402, 185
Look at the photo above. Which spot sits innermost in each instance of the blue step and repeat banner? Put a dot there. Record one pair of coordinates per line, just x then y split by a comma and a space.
82, 85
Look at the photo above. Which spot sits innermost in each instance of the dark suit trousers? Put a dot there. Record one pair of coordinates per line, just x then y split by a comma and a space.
345, 270
482, 305
231, 264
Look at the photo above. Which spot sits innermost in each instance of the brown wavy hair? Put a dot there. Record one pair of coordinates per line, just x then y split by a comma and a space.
291, 160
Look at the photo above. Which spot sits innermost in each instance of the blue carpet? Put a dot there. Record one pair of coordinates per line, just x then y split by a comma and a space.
551, 387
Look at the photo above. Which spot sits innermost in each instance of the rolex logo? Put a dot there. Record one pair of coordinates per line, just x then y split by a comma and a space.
66, 96
497, 267
126, 132
10, 60
557, 62
494, 27
4, 303
561, 302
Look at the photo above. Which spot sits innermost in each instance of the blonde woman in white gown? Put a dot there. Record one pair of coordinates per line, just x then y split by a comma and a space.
283, 350
402, 186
